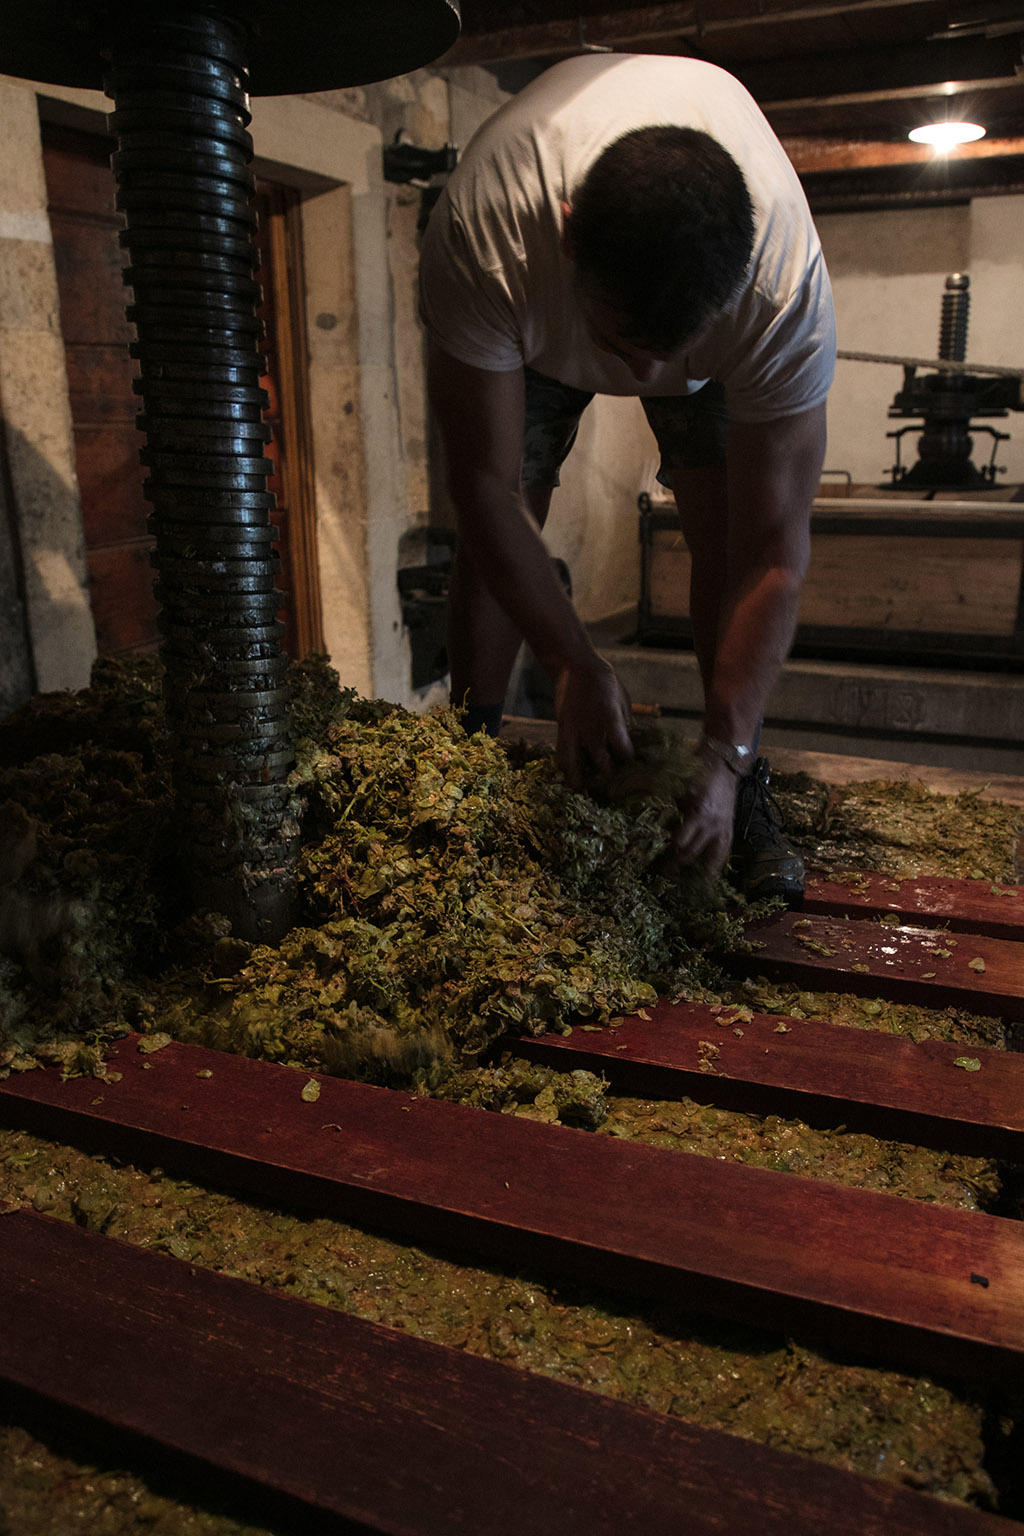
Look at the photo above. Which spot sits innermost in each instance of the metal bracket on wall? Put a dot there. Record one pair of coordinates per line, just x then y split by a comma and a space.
404, 162
408, 165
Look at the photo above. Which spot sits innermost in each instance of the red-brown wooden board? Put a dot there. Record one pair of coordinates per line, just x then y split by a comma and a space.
389, 1432
963, 906
905, 964
824, 1073
936, 1288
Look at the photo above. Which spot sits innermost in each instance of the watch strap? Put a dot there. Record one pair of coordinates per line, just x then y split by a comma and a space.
735, 756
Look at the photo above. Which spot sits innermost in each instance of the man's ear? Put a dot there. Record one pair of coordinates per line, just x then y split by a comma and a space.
567, 229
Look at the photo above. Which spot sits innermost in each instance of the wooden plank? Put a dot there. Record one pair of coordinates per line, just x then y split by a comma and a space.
883, 582
936, 1288
906, 964
826, 1074
390, 1432
907, 583
963, 906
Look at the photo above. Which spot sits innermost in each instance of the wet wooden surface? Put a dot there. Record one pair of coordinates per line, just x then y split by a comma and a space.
824, 1073
962, 906
905, 964
938, 1289
387, 1432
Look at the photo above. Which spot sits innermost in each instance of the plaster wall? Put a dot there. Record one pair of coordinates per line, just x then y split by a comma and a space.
47, 638
594, 518
17, 677
996, 333
888, 272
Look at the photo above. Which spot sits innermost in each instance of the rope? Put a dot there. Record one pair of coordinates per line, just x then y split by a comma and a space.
928, 362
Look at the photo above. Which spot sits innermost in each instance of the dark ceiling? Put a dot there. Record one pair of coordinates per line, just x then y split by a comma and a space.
841, 81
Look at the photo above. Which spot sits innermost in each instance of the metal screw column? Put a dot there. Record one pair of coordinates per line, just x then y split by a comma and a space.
956, 304
185, 186
945, 445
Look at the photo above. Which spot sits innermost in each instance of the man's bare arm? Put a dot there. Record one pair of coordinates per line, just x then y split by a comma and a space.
773, 473
480, 417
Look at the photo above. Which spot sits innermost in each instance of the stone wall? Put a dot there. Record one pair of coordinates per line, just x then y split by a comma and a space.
47, 639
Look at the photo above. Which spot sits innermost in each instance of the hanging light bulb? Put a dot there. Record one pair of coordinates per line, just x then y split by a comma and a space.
945, 136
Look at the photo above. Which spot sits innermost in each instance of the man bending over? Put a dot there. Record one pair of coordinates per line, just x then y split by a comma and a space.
629, 225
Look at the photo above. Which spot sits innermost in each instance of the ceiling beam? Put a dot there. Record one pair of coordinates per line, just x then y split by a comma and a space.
927, 92
812, 155
923, 67
886, 177
648, 24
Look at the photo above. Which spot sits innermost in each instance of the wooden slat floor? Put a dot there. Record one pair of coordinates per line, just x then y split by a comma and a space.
373, 1430
935, 1093
389, 1433
962, 906
820, 1072
906, 964
784, 1252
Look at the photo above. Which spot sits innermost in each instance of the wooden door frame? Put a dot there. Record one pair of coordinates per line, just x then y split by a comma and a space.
286, 282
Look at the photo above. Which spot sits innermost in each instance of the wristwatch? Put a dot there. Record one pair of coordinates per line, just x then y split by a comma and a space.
735, 757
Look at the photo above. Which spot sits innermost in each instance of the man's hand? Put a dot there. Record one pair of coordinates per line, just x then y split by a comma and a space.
705, 833
593, 721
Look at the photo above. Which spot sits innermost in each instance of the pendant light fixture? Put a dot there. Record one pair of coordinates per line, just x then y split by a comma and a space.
945, 136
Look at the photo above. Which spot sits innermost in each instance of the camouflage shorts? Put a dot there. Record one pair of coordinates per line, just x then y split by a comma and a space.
690, 429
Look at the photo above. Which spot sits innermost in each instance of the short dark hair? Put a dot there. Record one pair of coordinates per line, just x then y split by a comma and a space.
663, 226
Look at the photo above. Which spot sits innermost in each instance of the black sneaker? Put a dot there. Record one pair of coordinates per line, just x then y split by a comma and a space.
763, 862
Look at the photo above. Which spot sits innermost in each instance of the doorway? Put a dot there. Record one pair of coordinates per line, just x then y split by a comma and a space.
89, 261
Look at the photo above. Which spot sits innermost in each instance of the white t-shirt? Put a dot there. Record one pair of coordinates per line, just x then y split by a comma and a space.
496, 284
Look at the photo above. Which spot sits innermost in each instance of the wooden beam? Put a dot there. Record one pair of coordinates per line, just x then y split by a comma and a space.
386, 1432
963, 906
949, 178
937, 1289
826, 1074
915, 965
927, 90
482, 43
928, 66
570, 35
813, 154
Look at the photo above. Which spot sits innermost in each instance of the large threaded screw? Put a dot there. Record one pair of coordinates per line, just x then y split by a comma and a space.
956, 304
185, 186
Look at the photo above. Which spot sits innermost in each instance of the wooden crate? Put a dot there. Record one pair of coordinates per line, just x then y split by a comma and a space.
888, 580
